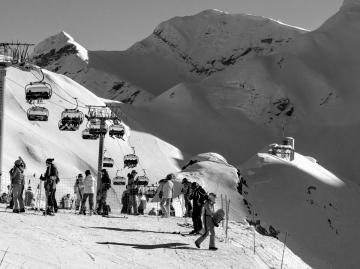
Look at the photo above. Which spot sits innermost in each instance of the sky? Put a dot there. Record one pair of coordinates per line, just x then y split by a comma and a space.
117, 24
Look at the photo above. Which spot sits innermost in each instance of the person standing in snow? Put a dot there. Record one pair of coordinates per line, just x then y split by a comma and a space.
18, 184
133, 191
125, 200
51, 178
89, 191
186, 192
167, 194
199, 196
79, 190
105, 186
208, 223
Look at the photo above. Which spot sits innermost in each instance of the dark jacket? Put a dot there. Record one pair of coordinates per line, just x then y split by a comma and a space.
51, 177
199, 196
133, 189
105, 182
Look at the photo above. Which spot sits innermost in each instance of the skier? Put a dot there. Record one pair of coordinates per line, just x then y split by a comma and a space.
167, 193
89, 190
79, 190
104, 187
18, 183
199, 196
125, 200
186, 192
208, 223
51, 178
133, 191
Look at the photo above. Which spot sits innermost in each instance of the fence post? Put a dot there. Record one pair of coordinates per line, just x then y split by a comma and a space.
282, 258
227, 218
222, 207
254, 228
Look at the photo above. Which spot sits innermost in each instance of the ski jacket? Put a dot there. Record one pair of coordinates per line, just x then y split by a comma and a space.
133, 189
105, 182
89, 184
17, 176
209, 209
167, 189
186, 190
199, 196
51, 177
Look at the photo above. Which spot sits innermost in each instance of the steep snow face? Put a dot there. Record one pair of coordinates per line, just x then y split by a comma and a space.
183, 49
62, 54
61, 41
212, 40
310, 203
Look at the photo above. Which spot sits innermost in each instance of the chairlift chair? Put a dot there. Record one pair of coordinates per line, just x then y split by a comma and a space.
95, 127
142, 180
71, 119
150, 192
108, 162
119, 180
117, 130
37, 113
131, 160
86, 135
37, 91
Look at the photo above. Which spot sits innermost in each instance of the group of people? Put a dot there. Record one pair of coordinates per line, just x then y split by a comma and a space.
84, 188
133, 200
200, 206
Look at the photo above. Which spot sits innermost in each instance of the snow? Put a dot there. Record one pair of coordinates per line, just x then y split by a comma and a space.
311, 203
74, 241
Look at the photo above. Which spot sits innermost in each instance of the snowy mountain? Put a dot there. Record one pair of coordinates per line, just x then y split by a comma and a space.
183, 49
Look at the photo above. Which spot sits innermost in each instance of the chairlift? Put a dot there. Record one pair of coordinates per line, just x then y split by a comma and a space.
38, 91
86, 135
131, 160
142, 180
117, 130
37, 113
96, 128
108, 162
151, 191
119, 180
71, 119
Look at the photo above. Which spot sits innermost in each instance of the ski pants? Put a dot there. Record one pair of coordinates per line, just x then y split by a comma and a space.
102, 200
188, 206
79, 195
50, 197
209, 229
132, 204
91, 201
17, 196
196, 217
165, 206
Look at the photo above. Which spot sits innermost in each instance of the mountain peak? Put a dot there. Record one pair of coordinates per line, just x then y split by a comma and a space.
60, 41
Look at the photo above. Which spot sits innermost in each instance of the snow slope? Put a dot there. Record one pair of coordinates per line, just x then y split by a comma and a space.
309, 202
36, 141
70, 241
183, 49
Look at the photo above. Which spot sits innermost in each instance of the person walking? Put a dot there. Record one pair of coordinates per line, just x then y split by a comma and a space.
167, 194
208, 223
79, 190
133, 191
198, 196
89, 191
105, 186
18, 185
186, 193
51, 178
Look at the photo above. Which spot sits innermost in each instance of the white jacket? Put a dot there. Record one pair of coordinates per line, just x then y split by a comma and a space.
89, 184
168, 189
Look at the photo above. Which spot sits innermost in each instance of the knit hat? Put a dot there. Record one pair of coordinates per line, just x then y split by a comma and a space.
49, 160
